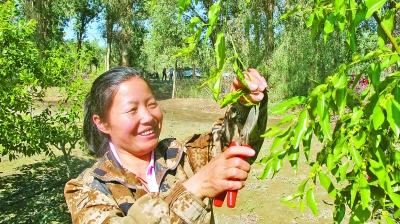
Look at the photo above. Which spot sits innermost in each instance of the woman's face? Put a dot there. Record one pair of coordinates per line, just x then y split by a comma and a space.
134, 118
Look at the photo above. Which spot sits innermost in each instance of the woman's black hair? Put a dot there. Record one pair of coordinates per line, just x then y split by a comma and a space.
98, 102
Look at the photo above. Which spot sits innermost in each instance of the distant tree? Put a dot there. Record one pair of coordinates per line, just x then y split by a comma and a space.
51, 17
84, 13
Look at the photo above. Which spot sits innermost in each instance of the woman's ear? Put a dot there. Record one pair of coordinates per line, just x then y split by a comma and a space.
102, 126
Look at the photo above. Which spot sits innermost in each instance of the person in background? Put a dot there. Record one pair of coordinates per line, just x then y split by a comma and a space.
140, 179
164, 74
171, 74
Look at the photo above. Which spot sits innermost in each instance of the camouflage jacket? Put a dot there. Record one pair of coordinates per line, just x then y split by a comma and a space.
108, 193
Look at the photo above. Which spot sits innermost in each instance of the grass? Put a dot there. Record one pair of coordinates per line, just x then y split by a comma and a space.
31, 189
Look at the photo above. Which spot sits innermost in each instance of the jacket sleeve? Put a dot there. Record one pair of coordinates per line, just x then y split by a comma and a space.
90, 205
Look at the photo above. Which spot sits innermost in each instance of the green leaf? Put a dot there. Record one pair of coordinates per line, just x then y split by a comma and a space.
329, 26
378, 117
389, 60
290, 197
387, 23
271, 131
216, 88
213, 15
340, 92
182, 5
267, 170
339, 80
327, 184
338, 5
324, 118
193, 23
286, 119
396, 94
343, 171
300, 128
220, 50
374, 72
330, 163
393, 116
293, 11
364, 191
379, 170
353, 39
301, 206
389, 220
355, 118
356, 156
369, 55
339, 213
311, 201
307, 142
292, 102
395, 199
373, 6
340, 95
360, 12
359, 139
318, 19
279, 140
353, 193
360, 215
293, 156
310, 20
232, 97
277, 164
318, 90
300, 189
239, 73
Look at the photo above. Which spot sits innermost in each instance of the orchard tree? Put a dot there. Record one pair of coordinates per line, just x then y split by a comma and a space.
358, 164
29, 126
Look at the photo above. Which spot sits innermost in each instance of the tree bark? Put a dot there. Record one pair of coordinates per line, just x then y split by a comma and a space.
269, 6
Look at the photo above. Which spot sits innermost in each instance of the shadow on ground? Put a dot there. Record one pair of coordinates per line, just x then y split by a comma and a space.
162, 89
35, 194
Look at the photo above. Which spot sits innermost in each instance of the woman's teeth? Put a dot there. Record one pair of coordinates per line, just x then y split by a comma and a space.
148, 132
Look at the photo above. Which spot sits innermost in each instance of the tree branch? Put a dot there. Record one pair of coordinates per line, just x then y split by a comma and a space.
388, 34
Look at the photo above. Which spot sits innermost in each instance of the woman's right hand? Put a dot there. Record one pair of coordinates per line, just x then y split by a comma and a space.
225, 172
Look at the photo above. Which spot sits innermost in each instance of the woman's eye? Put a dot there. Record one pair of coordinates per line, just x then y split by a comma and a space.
153, 104
132, 110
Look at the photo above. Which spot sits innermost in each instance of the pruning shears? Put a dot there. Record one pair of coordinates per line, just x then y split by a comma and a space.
243, 140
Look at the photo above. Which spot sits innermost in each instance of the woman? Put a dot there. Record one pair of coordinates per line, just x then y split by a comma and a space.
140, 179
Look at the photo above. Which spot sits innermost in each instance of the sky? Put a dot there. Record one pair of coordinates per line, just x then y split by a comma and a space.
92, 33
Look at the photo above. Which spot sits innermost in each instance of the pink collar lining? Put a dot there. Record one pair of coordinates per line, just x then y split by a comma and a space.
150, 174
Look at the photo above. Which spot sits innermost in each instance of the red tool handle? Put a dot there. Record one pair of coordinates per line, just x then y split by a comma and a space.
231, 202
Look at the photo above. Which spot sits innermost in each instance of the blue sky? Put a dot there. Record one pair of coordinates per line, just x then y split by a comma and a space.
92, 33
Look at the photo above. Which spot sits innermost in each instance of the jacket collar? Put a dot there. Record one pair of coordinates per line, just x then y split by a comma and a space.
167, 155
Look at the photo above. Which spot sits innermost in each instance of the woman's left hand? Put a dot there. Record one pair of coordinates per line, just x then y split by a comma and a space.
256, 84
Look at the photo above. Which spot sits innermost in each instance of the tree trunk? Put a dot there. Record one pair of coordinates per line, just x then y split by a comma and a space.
107, 58
269, 12
174, 82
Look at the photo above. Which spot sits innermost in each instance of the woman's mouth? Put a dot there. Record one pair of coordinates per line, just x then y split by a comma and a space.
149, 132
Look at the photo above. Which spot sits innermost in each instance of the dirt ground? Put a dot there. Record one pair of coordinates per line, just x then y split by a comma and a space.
259, 201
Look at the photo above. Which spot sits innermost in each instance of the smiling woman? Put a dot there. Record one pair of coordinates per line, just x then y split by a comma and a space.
140, 179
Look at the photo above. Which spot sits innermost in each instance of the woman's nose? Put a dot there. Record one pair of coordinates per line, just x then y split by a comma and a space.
146, 115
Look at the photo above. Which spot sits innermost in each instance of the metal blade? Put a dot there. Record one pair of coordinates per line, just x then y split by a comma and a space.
249, 125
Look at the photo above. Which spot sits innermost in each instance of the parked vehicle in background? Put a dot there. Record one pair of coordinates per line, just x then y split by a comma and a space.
187, 72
